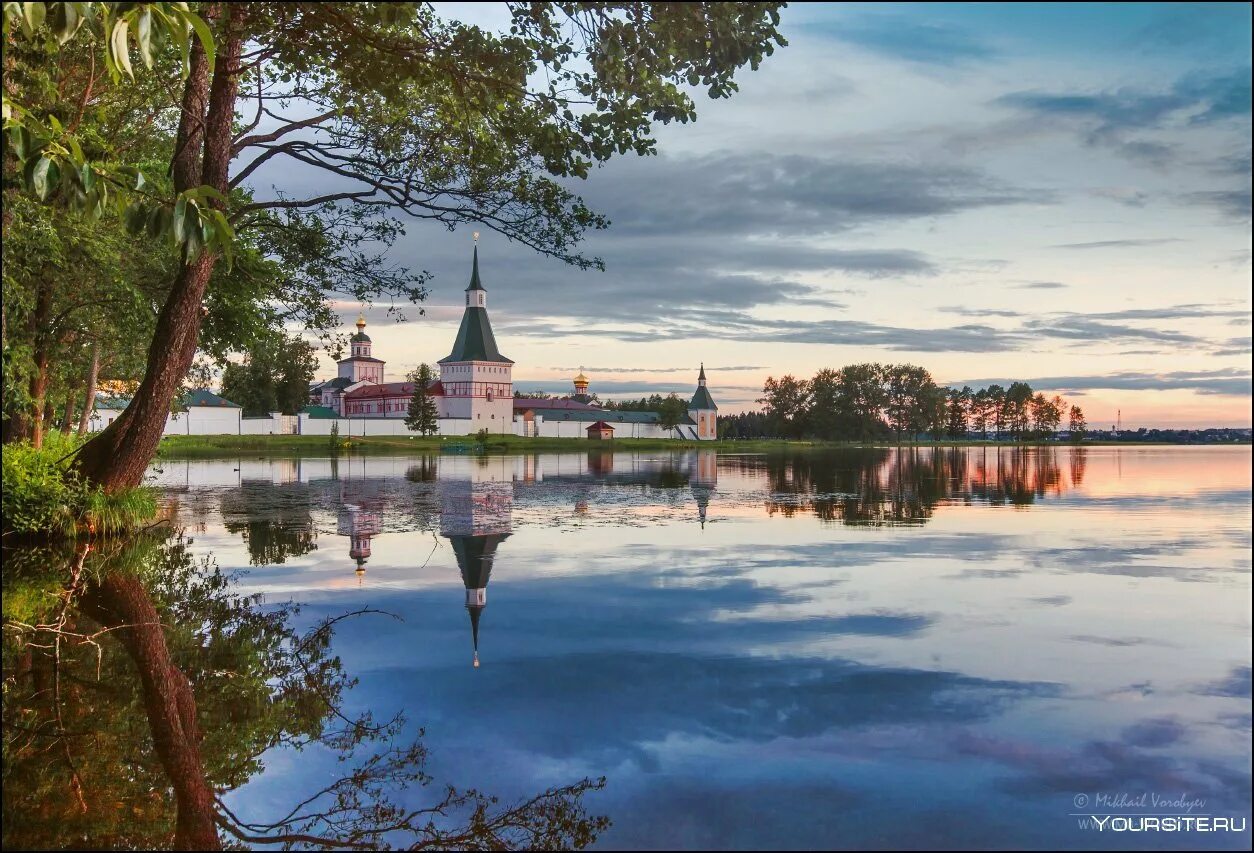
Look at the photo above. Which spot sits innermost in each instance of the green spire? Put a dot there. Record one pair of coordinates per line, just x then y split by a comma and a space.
474, 273
701, 375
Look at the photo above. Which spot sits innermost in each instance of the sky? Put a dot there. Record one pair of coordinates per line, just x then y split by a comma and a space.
1058, 194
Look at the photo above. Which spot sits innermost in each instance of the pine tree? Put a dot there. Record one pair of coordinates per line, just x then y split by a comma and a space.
422, 415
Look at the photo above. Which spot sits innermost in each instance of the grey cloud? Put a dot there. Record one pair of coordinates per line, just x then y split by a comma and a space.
726, 194
1232, 382
1077, 327
1110, 118
1118, 244
911, 40
978, 312
1200, 98
1231, 204
1042, 285
1172, 312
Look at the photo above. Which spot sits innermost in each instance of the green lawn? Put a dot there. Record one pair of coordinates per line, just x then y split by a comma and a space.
209, 446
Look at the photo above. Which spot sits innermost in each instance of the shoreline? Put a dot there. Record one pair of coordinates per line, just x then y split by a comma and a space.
211, 446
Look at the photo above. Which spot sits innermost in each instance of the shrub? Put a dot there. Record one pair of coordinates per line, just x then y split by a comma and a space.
43, 496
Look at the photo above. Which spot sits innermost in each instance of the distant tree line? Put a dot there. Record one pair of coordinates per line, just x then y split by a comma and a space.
867, 402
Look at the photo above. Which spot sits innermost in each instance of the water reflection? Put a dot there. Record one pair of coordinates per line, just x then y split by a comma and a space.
831, 649
475, 518
136, 673
885, 487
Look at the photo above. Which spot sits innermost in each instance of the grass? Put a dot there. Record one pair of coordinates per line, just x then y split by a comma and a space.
44, 499
216, 446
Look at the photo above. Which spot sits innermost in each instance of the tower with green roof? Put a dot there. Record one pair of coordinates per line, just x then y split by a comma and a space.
477, 380
702, 411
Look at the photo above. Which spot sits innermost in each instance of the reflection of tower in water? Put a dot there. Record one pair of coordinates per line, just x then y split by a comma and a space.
702, 478
476, 517
359, 518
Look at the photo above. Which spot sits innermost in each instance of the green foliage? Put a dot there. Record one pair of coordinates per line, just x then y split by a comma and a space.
274, 378
672, 412
43, 497
422, 416
866, 402
1077, 425
69, 166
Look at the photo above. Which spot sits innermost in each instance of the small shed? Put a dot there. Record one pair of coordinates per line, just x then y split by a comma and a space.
600, 431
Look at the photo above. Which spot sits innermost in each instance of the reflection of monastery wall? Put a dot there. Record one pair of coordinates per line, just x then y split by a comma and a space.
209, 473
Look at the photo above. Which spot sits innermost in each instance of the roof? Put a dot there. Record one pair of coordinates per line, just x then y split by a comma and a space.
538, 403
600, 425
201, 397
361, 358
319, 412
475, 341
702, 399
104, 401
360, 338
474, 273
602, 415
390, 389
339, 382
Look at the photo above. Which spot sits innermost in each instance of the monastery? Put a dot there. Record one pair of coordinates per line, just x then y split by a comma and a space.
475, 391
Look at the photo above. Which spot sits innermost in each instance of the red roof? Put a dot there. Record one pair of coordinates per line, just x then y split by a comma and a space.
600, 425
391, 389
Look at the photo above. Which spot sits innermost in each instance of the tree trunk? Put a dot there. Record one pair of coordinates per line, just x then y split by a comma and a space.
67, 417
118, 457
93, 375
121, 600
39, 379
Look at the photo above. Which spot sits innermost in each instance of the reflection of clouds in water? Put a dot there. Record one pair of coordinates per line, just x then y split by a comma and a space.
786, 679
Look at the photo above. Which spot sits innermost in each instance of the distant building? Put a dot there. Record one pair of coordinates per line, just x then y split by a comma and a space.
475, 390
600, 431
702, 411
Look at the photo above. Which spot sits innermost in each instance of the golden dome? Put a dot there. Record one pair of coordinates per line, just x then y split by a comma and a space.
361, 321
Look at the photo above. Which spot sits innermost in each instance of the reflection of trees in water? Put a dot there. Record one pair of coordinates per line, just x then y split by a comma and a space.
276, 522
881, 486
144, 676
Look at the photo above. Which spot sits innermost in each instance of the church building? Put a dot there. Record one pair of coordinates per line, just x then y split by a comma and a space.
475, 391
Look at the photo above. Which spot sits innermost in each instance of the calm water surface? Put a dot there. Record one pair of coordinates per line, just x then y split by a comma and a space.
959, 648
850, 649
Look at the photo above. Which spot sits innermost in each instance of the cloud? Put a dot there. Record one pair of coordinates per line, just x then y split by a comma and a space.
1110, 117
1172, 312
763, 193
1118, 244
1196, 98
911, 40
1042, 285
978, 312
1230, 204
1227, 382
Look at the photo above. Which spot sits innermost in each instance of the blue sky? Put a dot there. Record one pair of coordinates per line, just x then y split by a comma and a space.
1053, 193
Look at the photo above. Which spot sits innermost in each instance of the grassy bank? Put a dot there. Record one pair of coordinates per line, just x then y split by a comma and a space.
45, 500
220, 446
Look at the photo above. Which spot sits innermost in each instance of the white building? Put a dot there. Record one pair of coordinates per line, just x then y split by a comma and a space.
476, 381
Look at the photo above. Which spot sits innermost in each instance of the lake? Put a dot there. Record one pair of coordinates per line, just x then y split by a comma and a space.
953, 648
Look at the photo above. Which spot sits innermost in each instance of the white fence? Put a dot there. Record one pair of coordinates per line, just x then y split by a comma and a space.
579, 429
378, 426
204, 420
